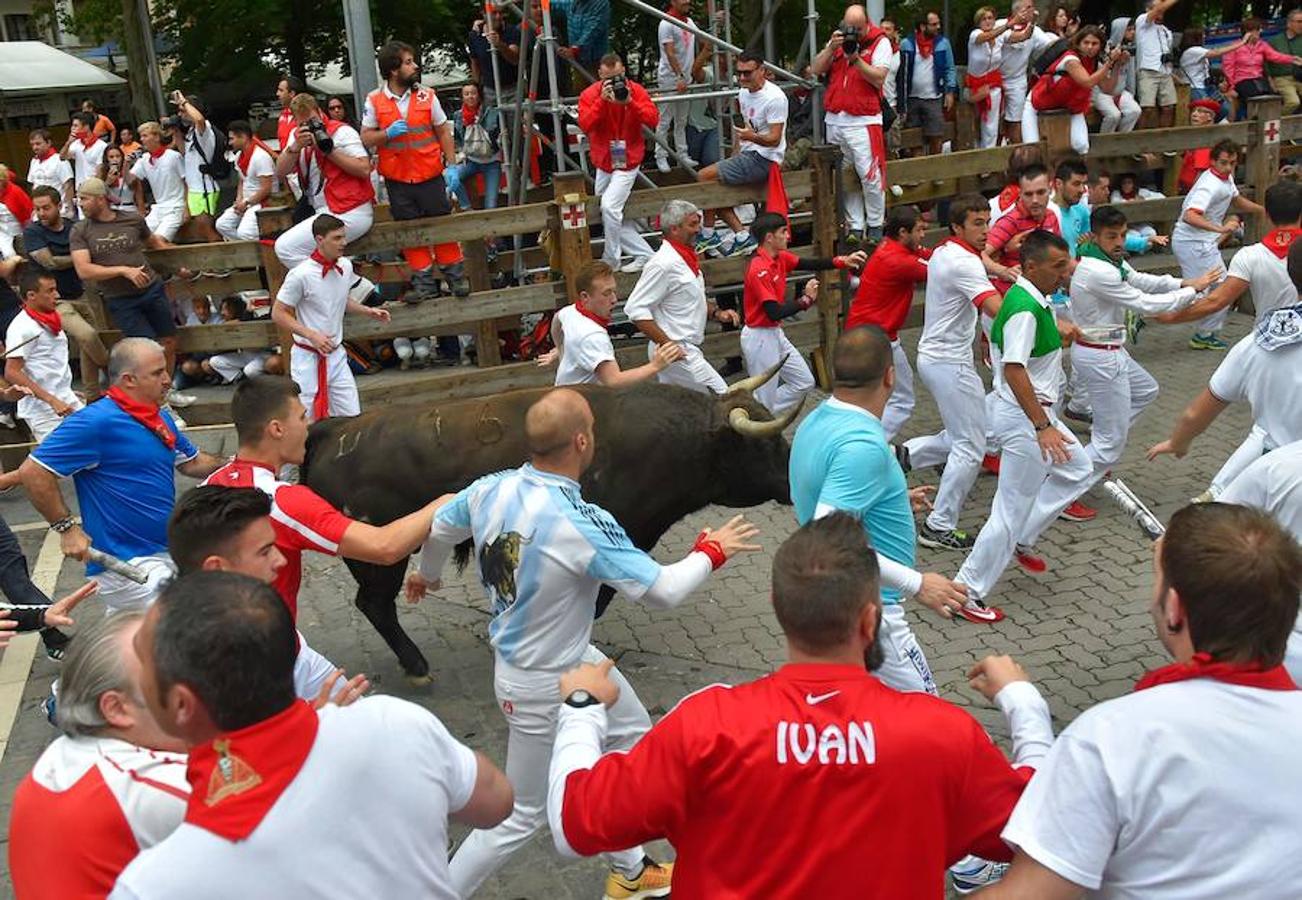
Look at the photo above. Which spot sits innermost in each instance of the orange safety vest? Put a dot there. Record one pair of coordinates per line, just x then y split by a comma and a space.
415, 156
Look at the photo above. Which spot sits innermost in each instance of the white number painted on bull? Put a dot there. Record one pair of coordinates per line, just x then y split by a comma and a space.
800, 741
343, 440
489, 429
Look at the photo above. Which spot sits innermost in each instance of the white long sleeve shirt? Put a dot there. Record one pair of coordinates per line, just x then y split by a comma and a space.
1100, 296
671, 295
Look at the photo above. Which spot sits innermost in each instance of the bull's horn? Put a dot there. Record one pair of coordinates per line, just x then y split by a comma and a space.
755, 382
743, 424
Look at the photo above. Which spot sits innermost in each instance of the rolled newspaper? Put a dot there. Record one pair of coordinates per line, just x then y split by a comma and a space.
113, 564
1150, 524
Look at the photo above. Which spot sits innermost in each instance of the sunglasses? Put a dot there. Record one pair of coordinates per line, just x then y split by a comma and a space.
746, 73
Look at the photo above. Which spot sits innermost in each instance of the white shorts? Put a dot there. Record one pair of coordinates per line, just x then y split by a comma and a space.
692, 371
121, 594
45, 421
1014, 99
165, 221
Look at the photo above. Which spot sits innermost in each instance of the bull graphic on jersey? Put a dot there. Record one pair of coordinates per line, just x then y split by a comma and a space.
498, 561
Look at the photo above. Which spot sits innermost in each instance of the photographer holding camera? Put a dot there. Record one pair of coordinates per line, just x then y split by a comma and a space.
196, 138
335, 173
1154, 57
612, 112
856, 60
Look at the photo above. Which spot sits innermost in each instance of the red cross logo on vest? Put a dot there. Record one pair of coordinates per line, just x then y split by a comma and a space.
1271, 132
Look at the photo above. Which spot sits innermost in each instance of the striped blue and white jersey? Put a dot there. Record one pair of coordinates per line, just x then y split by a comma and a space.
543, 553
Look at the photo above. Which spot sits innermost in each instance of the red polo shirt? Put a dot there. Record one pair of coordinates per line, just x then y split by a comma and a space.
766, 279
886, 287
1013, 223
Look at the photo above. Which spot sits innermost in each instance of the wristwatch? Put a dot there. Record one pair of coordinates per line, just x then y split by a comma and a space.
1044, 426
67, 523
581, 698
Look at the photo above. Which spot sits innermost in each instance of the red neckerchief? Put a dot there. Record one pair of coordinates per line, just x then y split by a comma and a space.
955, 239
236, 779
156, 155
468, 115
147, 414
682, 17
1008, 196
89, 141
1217, 173
1131, 196
1279, 240
16, 200
326, 265
688, 254
582, 310
925, 44
247, 154
1202, 665
47, 154
51, 321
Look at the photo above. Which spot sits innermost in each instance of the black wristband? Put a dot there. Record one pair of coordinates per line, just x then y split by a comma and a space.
1045, 426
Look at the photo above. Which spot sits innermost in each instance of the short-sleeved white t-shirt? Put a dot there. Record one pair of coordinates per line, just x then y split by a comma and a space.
586, 345
762, 109
1267, 276
1184, 791
1196, 68
1210, 195
166, 177
1271, 382
1152, 39
45, 360
370, 119
86, 160
194, 142
684, 44
260, 165
51, 172
1015, 58
880, 58
366, 816
956, 285
983, 58
318, 298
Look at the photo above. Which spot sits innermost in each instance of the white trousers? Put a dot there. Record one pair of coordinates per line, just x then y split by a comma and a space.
1080, 132
989, 123
1031, 494
1254, 446
1119, 113
961, 445
230, 366
235, 227
1196, 258
124, 595
339, 380
692, 371
1293, 652
621, 237
1014, 99
904, 666
899, 408
868, 208
165, 221
530, 698
762, 349
1119, 389
672, 115
45, 420
297, 244
311, 671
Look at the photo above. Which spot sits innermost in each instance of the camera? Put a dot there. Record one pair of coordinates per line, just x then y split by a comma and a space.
173, 122
618, 87
849, 39
1168, 58
317, 129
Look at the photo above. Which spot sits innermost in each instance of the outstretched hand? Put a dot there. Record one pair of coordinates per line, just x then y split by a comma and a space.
416, 587
352, 691
734, 536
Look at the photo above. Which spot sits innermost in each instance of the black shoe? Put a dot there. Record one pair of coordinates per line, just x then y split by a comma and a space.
56, 643
902, 457
944, 540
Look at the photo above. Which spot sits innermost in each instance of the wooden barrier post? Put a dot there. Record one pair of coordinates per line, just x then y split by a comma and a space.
487, 350
1055, 128
1263, 154
825, 162
270, 223
569, 224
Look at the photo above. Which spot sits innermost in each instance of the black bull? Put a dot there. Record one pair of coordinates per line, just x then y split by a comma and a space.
662, 453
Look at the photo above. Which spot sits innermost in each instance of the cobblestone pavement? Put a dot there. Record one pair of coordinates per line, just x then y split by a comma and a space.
1082, 630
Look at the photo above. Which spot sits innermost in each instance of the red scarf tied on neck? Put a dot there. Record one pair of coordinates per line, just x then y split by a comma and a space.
582, 310
926, 45
49, 151
51, 321
468, 114
236, 778
1279, 240
247, 154
682, 17
688, 254
156, 155
1202, 665
147, 414
89, 138
327, 266
17, 202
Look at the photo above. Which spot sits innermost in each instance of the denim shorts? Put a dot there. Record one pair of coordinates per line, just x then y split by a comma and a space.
747, 167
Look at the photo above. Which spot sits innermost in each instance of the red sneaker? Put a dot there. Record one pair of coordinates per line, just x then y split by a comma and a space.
991, 464
976, 611
1030, 561
1078, 512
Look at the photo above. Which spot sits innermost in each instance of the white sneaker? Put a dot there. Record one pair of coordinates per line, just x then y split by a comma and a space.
662, 164
7, 421
176, 398
637, 264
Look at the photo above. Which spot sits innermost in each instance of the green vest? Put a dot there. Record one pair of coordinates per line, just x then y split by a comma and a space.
1019, 300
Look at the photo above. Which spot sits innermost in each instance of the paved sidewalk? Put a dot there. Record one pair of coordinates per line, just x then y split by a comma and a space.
1082, 630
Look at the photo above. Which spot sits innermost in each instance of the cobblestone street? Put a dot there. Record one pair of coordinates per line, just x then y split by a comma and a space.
1081, 630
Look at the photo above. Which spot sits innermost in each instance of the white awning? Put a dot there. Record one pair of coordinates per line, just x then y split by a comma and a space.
33, 67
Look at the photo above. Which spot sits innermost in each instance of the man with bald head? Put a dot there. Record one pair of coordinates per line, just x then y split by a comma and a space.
543, 554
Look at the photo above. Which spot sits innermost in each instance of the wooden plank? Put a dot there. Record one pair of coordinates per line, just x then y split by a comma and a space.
573, 241
710, 195
488, 353
464, 226
1290, 128
220, 255
949, 165
241, 280
1163, 140
1263, 157
826, 162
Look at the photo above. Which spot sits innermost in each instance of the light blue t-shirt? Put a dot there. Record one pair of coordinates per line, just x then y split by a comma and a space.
1074, 221
840, 460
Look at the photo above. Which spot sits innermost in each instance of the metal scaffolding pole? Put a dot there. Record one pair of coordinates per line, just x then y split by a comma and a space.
549, 41
535, 58
508, 170
770, 42
712, 10
811, 17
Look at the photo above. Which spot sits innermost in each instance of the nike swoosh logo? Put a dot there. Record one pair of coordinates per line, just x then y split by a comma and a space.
813, 700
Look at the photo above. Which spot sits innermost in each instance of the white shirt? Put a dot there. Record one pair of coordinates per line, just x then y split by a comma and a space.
1044, 371
1267, 276
889, 87
1272, 483
880, 58
1016, 57
762, 109
348, 141
684, 45
9, 224
45, 360
1183, 791
260, 165
371, 120
319, 300
923, 85
1196, 68
956, 282
982, 58
52, 172
194, 142
669, 294
1100, 296
1271, 382
366, 816
585, 345
86, 160
1152, 39
1211, 195
166, 177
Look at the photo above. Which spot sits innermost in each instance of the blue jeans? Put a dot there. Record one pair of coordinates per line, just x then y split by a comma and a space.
1211, 93
456, 177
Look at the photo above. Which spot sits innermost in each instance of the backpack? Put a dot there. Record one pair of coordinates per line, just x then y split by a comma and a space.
477, 144
219, 167
1044, 60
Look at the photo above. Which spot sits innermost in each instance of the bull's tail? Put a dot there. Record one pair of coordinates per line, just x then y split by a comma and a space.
461, 555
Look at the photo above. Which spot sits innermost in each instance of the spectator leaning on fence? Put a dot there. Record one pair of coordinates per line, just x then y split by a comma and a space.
163, 169
477, 131
49, 168
928, 81
587, 28
1285, 76
985, 77
1068, 84
257, 171
486, 35
1244, 66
